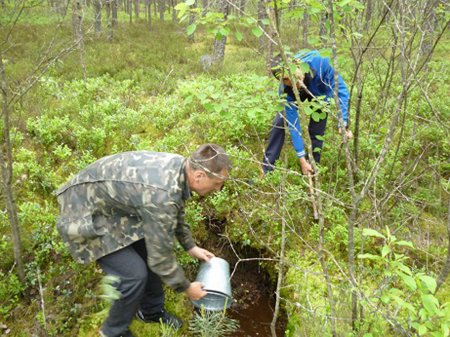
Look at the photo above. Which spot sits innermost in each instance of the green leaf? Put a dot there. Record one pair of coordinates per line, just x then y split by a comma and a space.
429, 282
344, 3
307, 110
445, 330
257, 31
315, 116
326, 52
191, 29
209, 107
224, 31
250, 20
430, 303
385, 251
190, 2
181, 7
372, 232
304, 67
265, 22
404, 243
239, 36
422, 330
368, 256
313, 40
409, 281
404, 268
319, 137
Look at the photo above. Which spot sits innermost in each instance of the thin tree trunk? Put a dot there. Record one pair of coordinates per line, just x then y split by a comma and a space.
305, 29
77, 17
114, 9
136, 9
149, 14
261, 16
280, 279
430, 22
162, 9
108, 20
368, 11
174, 12
205, 7
357, 119
191, 38
77, 24
220, 42
98, 16
446, 270
6, 165
323, 29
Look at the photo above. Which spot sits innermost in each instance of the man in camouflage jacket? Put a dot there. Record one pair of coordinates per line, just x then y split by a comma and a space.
125, 211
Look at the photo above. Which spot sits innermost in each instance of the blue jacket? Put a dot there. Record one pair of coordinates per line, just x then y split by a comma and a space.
321, 84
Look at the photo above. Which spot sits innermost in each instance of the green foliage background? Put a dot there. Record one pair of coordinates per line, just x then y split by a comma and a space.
146, 90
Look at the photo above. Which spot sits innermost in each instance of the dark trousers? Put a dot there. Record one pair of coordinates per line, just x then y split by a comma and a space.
140, 287
276, 141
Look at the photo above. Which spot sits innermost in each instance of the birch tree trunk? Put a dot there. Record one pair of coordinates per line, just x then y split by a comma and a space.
77, 18
191, 38
149, 13
261, 16
114, 9
305, 23
130, 10
6, 165
136, 9
220, 42
174, 12
97, 16
162, 9
108, 20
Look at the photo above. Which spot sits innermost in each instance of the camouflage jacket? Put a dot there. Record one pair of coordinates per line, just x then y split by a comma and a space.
123, 198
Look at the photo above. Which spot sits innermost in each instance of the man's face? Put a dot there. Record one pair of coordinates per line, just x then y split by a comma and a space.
298, 75
204, 184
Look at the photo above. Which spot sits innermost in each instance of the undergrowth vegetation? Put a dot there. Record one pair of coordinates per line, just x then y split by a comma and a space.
146, 90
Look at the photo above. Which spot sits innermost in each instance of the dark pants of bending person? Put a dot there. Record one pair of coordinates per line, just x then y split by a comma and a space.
140, 287
276, 141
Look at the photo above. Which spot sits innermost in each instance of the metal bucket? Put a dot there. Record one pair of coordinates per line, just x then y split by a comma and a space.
215, 276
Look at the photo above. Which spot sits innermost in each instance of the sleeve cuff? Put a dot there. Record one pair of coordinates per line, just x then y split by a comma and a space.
301, 154
183, 286
188, 245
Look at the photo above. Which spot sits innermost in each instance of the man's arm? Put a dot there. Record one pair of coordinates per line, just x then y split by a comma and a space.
159, 223
296, 136
183, 232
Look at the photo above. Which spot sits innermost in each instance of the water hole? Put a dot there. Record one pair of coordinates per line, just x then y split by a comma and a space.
254, 302
252, 290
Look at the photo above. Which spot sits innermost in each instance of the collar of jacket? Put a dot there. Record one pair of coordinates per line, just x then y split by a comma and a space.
185, 190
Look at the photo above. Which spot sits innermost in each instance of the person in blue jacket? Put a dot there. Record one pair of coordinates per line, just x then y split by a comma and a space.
317, 82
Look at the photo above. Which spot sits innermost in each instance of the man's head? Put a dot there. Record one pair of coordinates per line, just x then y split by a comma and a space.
208, 168
279, 70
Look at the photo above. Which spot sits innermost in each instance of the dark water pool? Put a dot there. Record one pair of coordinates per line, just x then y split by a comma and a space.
255, 302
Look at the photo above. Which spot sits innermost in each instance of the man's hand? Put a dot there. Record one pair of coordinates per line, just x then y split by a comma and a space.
195, 291
348, 134
306, 166
200, 253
